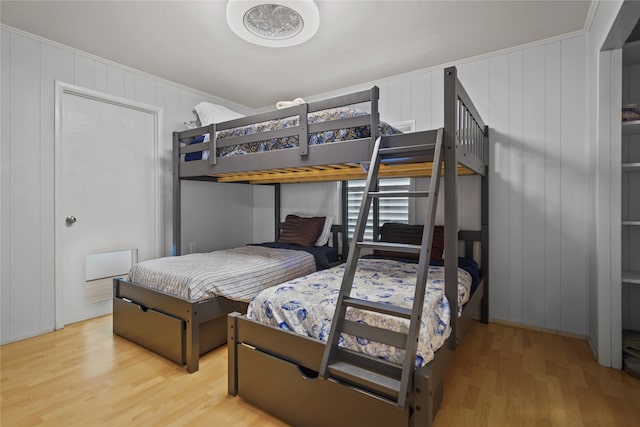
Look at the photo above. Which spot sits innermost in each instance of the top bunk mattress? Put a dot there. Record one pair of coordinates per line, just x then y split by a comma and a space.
306, 305
237, 274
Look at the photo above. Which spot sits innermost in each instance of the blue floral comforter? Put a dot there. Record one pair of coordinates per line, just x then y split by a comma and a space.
306, 305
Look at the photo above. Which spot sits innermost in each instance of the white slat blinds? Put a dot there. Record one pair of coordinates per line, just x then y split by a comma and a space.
390, 210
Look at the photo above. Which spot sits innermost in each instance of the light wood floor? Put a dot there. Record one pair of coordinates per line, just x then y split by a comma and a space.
502, 376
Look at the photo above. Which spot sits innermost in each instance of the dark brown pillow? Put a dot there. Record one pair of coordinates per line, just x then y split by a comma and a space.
301, 231
410, 234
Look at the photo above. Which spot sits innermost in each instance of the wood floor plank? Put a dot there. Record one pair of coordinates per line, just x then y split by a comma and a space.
83, 375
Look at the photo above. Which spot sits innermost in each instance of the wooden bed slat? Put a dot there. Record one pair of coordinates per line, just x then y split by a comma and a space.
331, 173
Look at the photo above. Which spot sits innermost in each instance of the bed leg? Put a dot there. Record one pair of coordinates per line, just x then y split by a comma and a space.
192, 344
232, 335
424, 403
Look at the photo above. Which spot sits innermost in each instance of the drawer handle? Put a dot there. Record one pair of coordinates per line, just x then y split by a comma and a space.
307, 373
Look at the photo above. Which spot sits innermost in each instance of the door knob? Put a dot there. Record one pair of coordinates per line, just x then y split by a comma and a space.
70, 220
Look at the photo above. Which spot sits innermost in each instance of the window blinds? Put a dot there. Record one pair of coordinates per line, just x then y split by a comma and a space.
394, 209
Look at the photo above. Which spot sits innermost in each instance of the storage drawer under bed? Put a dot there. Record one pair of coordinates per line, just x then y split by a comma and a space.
154, 330
284, 390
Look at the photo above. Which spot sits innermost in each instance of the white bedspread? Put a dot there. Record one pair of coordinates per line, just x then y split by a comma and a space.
238, 274
306, 305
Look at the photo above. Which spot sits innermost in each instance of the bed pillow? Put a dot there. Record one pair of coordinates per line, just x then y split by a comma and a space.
301, 231
209, 113
411, 234
323, 239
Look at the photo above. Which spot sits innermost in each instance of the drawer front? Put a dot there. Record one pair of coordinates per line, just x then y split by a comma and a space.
280, 388
156, 331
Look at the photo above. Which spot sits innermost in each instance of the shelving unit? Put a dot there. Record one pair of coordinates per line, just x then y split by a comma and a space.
631, 128
631, 278
630, 186
631, 209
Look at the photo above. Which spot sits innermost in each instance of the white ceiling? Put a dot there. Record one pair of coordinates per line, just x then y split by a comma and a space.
189, 42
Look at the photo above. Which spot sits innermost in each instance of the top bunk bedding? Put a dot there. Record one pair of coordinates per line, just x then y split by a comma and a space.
292, 141
329, 140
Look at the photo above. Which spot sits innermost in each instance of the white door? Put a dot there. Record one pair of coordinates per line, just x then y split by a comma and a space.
107, 194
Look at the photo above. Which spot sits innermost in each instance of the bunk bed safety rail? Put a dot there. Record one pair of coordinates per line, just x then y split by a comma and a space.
471, 133
297, 126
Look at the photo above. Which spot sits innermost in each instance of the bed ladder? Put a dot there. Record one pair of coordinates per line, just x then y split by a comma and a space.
374, 375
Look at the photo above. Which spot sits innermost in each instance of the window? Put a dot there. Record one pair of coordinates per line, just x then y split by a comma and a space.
394, 209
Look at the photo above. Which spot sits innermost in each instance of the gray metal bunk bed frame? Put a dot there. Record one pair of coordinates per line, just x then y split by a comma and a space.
264, 358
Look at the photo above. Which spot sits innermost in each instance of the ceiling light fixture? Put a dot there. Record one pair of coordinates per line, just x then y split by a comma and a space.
282, 23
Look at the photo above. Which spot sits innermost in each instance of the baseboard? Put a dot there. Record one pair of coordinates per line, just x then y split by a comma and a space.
593, 349
539, 329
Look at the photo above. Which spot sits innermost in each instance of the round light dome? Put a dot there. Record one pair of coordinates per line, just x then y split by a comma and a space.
281, 24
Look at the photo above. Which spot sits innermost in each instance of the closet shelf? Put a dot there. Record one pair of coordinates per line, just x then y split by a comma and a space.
631, 277
627, 222
630, 167
631, 128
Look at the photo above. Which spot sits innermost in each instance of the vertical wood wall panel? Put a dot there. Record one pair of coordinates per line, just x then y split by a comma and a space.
5, 183
407, 90
172, 113
25, 178
421, 101
56, 64
395, 102
115, 81
437, 99
84, 71
129, 85
516, 163
476, 80
145, 90
317, 199
100, 77
263, 213
534, 289
552, 146
498, 120
574, 188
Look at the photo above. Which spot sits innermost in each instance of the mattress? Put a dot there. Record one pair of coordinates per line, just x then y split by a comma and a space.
237, 274
306, 305
326, 137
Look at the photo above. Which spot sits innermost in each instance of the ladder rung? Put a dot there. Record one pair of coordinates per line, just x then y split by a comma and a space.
373, 333
396, 247
399, 194
368, 362
378, 307
372, 381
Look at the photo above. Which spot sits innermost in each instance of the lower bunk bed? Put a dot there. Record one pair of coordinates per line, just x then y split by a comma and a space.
275, 351
177, 306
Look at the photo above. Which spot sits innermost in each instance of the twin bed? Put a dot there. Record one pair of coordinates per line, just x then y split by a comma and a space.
177, 306
278, 345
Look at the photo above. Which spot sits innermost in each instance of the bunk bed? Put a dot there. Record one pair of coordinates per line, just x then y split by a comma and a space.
190, 325
264, 358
